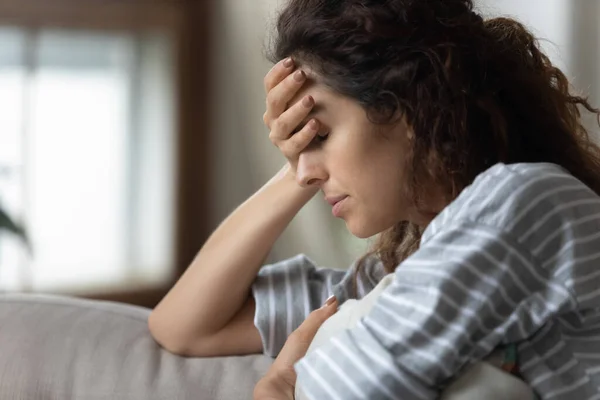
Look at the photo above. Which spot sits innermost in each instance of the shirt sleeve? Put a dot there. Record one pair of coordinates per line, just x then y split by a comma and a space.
286, 292
469, 288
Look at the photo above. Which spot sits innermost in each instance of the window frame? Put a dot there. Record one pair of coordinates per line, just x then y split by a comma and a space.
188, 23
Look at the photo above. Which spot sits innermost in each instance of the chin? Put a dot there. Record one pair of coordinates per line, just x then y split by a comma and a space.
362, 231
365, 228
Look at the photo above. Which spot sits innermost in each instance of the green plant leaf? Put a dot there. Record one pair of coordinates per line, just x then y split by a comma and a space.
6, 223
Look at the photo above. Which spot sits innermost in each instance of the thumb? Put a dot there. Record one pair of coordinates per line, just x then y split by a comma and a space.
299, 341
308, 329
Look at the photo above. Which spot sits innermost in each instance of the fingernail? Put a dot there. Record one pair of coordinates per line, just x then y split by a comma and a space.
313, 125
330, 300
288, 63
308, 101
299, 76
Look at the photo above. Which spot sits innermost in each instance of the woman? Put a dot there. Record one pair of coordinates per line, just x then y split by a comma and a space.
457, 141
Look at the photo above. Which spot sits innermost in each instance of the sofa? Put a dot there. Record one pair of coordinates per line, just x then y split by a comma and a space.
60, 348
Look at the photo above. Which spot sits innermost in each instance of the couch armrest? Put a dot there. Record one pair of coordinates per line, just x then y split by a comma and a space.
54, 347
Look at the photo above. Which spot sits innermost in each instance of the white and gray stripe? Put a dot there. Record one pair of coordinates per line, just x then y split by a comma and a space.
515, 259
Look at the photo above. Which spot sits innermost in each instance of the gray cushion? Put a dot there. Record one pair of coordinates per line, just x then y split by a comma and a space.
62, 348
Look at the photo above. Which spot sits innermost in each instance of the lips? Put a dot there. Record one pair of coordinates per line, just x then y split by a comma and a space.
336, 203
332, 200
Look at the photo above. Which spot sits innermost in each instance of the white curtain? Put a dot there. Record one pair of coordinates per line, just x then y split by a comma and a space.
86, 156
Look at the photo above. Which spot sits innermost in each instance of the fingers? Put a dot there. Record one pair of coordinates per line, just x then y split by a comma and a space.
285, 122
292, 147
279, 71
315, 319
281, 133
283, 126
279, 96
299, 341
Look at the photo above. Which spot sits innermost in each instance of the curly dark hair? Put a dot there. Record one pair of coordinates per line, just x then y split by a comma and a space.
475, 91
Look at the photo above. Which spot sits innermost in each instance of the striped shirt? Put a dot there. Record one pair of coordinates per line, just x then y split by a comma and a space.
514, 259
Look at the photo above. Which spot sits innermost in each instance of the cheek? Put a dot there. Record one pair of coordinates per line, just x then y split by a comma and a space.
373, 169
387, 191
382, 196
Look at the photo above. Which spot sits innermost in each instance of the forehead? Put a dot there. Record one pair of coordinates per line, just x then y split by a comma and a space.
325, 97
314, 87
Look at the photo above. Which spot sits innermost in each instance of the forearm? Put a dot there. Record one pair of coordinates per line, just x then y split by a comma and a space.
217, 283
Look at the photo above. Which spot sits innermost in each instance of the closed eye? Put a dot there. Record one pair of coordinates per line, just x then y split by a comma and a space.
321, 137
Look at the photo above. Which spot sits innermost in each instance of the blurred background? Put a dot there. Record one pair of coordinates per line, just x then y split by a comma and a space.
130, 128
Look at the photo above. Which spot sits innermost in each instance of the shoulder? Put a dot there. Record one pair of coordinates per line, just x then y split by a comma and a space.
518, 199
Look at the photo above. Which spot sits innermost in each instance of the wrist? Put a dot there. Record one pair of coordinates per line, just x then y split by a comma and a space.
272, 387
287, 177
286, 174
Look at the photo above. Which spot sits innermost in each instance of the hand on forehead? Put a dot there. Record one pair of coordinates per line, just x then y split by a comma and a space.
312, 87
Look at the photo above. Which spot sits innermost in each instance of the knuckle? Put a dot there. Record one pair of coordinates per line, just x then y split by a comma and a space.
273, 138
295, 147
267, 81
273, 102
286, 153
291, 84
270, 100
280, 126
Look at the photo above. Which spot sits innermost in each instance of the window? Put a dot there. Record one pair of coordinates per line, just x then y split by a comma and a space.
87, 142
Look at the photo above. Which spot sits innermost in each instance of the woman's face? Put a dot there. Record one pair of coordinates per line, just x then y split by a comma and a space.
359, 162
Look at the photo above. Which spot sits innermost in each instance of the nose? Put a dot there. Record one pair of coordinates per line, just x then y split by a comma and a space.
311, 170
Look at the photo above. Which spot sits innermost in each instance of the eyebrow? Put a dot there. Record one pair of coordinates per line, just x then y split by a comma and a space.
315, 110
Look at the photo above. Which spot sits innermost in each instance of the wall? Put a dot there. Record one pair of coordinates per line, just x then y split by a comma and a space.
569, 33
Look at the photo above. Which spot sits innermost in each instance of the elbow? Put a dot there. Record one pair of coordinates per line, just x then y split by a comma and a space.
165, 337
